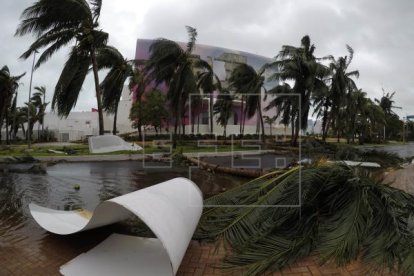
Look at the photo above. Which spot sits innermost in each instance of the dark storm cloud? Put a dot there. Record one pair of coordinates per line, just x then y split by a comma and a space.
381, 33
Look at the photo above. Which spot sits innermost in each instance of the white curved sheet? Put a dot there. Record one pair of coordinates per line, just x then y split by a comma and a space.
170, 209
110, 143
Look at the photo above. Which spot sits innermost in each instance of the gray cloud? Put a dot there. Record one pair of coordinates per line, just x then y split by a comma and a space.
381, 33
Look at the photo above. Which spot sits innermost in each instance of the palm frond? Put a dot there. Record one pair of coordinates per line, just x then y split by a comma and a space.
70, 82
332, 211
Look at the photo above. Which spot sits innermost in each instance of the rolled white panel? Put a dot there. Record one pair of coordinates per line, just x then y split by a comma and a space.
170, 209
110, 143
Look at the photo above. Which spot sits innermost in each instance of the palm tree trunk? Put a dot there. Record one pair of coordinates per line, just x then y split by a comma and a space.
241, 115
211, 112
44, 110
259, 107
175, 133
7, 129
23, 130
115, 118
139, 116
198, 123
295, 139
325, 123
98, 91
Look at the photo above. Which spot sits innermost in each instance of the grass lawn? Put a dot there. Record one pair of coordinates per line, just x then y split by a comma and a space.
83, 149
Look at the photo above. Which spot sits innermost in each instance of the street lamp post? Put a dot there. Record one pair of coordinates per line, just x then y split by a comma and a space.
29, 103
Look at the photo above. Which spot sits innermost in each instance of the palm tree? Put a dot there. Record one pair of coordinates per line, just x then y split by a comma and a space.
30, 110
371, 118
56, 24
39, 101
223, 109
209, 82
249, 83
322, 103
342, 85
286, 103
270, 121
387, 104
19, 119
171, 64
8, 86
120, 69
298, 64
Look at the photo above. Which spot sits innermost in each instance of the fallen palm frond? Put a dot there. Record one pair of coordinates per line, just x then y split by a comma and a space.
333, 211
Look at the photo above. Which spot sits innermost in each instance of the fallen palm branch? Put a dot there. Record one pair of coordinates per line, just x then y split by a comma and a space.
336, 212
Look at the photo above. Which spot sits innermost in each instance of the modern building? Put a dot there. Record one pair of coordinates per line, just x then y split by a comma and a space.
223, 62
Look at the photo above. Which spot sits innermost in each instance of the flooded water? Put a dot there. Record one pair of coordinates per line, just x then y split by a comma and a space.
262, 161
23, 241
403, 150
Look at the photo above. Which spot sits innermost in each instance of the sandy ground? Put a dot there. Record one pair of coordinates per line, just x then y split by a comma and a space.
402, 179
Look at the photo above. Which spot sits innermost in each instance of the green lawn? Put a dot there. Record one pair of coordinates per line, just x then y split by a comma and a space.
83, 149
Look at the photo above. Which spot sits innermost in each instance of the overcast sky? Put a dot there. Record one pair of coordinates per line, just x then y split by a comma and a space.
381, 32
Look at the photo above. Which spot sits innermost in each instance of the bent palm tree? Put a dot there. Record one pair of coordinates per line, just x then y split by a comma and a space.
120, 69
171, 64
249, 83
286, 103
223, 107
209, 82
56, 24
8, 86
39, 97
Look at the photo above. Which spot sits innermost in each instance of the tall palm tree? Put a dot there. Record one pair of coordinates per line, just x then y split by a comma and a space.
8, 86
170, 63
120, 69
342, 85
298, 64
209, 82
223, 108
249, 83
56, 24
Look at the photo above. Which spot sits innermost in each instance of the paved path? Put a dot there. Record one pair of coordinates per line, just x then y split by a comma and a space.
200, 259
402, 179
